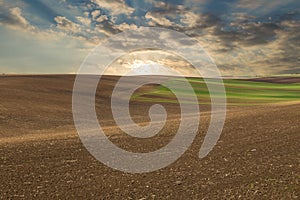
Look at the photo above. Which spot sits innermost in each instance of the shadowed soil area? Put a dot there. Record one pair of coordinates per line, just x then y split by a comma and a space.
278, 79
41, 155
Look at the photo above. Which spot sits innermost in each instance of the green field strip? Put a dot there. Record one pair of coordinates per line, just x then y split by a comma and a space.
238, 92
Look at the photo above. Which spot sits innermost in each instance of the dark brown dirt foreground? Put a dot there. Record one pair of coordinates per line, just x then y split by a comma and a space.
257, 156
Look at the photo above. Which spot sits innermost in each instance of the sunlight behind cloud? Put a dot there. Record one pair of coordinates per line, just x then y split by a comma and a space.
148, 68
150, 62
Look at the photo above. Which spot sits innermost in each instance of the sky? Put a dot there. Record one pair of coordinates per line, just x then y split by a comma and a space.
243, 37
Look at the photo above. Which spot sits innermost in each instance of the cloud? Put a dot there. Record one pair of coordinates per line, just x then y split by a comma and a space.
141, 60
291, 25
157, 19
267, 49
14, 19
262, 6
106, 28
95, 14
116, 7
259, 33
67, 25
241, 17
124, 26
248, 4
190, 19
166, 7
84, 20
101, 18
260, 36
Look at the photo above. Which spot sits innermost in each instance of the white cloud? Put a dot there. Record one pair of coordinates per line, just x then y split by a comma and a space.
95, 14
17, 17
99, 28
84, 20
157, 18
291, 24
102, 18
67, 25
145, 61
16, 20
124, 26
190, 19
116, 7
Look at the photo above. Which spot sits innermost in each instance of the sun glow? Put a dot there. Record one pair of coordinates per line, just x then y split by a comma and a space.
141, 63
150, 62
148, 67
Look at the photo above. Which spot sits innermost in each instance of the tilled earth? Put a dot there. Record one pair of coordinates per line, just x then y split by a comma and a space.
41, 156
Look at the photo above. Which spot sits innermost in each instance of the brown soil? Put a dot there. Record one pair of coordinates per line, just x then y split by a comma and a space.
277, 79
41, 156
